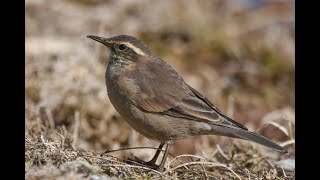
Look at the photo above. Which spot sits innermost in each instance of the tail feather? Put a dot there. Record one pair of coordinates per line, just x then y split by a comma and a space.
251, 136
248, 135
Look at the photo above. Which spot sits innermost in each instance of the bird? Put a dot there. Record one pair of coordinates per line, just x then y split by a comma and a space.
155, 100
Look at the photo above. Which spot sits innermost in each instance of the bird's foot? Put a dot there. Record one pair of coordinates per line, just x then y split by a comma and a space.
135, 160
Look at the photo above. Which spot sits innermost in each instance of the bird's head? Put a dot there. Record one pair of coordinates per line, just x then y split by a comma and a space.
124, 47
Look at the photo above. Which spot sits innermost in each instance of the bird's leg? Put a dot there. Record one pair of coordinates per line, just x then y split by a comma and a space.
155, 157
164, 157
152, 162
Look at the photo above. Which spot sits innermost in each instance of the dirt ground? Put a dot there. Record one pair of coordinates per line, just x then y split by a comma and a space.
241, 57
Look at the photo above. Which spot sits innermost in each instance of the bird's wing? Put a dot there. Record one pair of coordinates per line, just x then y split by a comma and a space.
205, 100
159, 87
196, 109
165, 92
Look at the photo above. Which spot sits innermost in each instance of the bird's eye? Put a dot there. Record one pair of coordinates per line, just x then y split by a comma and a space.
122, 47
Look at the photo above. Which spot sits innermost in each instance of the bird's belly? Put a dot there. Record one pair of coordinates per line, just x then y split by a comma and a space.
124, 107
135, 120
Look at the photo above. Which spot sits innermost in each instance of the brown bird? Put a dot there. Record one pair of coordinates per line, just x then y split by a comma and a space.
158, 103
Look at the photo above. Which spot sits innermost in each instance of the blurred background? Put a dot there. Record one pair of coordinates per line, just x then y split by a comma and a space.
240, 54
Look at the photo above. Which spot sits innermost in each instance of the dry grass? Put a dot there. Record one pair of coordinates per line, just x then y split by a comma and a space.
50, 154
242, 59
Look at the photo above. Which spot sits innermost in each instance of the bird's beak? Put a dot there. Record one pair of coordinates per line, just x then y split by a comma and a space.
105, 41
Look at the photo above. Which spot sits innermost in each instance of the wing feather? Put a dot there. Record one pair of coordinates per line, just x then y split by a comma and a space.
165, 92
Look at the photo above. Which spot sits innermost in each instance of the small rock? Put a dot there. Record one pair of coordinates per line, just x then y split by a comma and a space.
97, 177
286, 164
80, 166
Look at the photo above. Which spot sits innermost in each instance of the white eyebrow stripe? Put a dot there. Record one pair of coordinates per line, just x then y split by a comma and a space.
134, 48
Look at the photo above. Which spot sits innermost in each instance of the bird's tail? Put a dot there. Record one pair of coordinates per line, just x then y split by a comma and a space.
250, 136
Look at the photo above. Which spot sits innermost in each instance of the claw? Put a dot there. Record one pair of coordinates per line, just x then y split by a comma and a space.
136, 160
